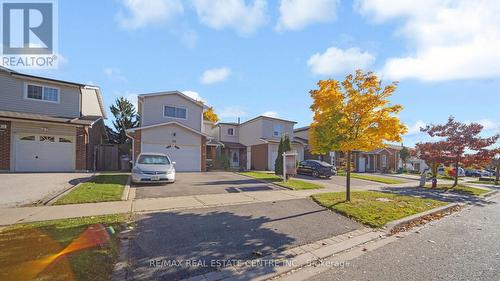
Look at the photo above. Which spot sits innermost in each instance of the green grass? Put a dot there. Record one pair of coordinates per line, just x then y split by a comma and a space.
25, 244
460, 189
294, 184
483, 182
372, 178
365, 208
108, 187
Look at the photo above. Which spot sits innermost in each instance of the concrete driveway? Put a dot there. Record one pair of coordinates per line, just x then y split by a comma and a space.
187, 242
203, 183
18, 189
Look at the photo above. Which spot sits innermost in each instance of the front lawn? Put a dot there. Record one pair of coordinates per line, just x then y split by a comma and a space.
375, 208
107, 187
460, 189
373, 178
292, 183
61, 249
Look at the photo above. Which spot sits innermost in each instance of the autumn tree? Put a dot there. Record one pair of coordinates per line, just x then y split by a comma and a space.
354, 114
404, 154
125, 118
434, 154
210, 115
496, 163
459, 138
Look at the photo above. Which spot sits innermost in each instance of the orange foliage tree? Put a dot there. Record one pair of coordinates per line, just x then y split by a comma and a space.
210, 115
354, 114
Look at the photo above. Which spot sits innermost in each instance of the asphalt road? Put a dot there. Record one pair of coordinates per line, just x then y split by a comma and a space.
464, 246
226, 233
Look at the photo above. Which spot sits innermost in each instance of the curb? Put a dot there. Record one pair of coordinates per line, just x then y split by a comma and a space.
293, 258
489, 193
126, 190
389, 227
53, 198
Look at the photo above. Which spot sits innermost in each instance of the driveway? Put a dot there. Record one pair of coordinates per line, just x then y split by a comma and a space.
337, 183
203, 183
241, 232
18, 189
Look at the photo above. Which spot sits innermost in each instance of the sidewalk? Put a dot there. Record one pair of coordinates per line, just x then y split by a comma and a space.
10, 216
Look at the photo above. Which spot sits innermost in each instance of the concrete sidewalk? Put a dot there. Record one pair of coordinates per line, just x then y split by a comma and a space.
10, 216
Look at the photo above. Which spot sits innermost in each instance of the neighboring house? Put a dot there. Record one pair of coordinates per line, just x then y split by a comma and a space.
379, 160
172, 123
253, 144
48, 125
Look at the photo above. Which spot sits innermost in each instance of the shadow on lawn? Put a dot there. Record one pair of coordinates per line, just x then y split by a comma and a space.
106, 179
438, 194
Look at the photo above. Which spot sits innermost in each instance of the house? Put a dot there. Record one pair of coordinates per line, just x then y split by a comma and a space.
378, 160
48, 125
172, 123
253, 144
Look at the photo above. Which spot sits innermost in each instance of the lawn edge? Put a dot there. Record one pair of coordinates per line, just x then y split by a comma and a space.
126, 189
283, 186
53, 198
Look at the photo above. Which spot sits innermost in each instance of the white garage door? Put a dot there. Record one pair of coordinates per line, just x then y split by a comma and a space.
44, 153
187, 158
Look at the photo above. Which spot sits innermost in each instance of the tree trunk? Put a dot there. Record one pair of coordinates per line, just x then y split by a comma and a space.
497, 177
348, 178
456, 174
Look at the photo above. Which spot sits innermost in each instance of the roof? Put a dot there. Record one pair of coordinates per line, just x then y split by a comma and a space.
85, 120
228, 123
233, 144
301, 129
377, 151
166, 124
305, 141
266, 140
267, 117
199, 103
214, 142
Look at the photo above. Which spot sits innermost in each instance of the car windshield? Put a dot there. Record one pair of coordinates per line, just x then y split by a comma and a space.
324, 164
154, 160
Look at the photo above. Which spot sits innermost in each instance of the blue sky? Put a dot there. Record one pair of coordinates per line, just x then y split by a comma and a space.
248, 58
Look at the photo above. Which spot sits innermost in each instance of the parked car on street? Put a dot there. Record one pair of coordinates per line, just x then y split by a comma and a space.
153, 168
316, 168
472, 173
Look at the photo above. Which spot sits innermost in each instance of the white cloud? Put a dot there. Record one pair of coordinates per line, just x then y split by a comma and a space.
490, 125
338, 61
189, 38
272, 114
141, 13
296, 14
114, 74
215, 75
448, 39
415, 128
194, 95
232, 112
233, 14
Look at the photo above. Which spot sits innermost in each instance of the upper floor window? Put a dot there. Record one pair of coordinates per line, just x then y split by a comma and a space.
230, 131
42, 93
175, 112
277, 130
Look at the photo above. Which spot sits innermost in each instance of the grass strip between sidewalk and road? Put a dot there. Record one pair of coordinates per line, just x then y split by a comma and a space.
292, 183
468, 190
375, 209
102, 188
484, 182
372, 178
70, 249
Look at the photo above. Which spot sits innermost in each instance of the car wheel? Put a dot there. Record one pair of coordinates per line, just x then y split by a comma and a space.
315, 174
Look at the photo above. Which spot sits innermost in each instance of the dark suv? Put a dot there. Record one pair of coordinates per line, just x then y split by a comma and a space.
316, 169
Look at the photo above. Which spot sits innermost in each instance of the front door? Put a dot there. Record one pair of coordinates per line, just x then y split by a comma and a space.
362, 163
235, 157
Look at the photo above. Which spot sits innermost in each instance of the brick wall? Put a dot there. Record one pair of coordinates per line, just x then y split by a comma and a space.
81, 149
203, 153
5, 146
137, 143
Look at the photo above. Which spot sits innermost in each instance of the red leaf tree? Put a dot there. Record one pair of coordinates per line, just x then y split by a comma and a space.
460, 138
434, 154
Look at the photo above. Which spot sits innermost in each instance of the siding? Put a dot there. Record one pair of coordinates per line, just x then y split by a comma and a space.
152, 110
251, 133
90, 103
259, 157
12, 93
268, 128
225, 137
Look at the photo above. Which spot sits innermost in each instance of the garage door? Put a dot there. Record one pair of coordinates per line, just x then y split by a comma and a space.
44, 153
187, 158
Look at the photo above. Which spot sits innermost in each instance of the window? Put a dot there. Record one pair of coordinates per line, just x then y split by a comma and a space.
175, 112
28, 138
230, 131
277, 130
384, 161
42, 93
47, 139
64, 140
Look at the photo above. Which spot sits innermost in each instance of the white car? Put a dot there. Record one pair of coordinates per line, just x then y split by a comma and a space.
153, 168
